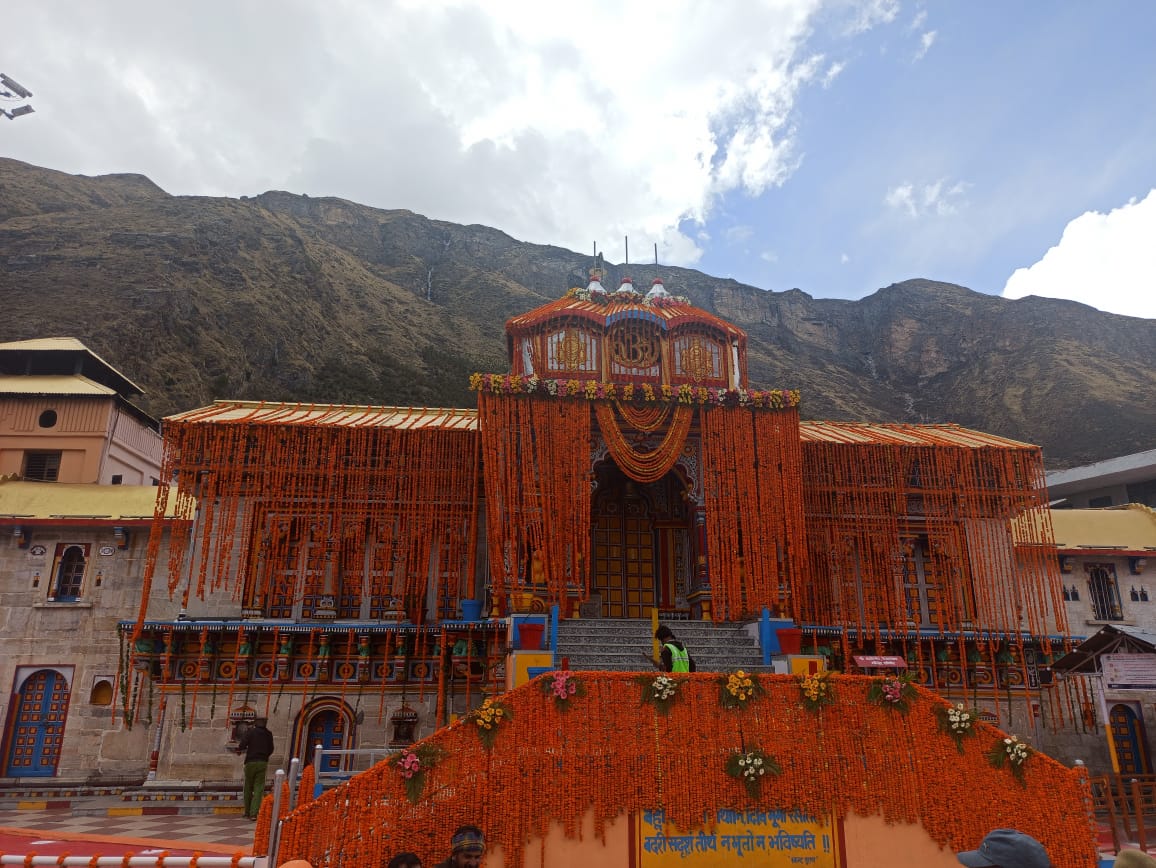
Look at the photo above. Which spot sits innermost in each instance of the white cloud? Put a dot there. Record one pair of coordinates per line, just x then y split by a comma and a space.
503, 112
925, 43
919, 20
833, 72
844, 259
1107, 261
872, 13
937, 198
769, 256
738, 234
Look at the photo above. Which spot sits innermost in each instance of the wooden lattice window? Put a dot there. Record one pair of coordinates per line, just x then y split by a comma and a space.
572, 350
635, 349
699, 358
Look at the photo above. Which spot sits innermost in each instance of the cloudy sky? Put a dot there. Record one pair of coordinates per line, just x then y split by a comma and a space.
829, 145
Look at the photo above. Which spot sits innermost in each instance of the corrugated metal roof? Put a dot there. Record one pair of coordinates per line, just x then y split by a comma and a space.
55, 500
1111, 639
1131, 528
814, 431
46, 344
665, 315
69, 345
336, 415
52, 384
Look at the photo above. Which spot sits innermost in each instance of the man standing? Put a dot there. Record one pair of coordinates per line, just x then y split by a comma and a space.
675, 657
467, 847
257, 746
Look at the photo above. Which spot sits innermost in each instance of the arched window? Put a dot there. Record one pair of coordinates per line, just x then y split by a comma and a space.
1104, 592
71, 561
101, 693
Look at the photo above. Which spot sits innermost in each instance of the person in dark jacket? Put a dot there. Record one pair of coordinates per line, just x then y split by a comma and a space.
675, 657
467, 846
257, 746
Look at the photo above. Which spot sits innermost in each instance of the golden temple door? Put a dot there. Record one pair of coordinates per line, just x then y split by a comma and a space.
624, 555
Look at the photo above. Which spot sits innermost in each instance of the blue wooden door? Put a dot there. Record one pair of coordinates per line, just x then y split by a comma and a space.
327, 728
1128, 739
38, 730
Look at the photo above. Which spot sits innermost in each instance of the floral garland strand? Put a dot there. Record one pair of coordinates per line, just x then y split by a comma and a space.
958, 721
895, 692
487, 719
816, 690
1013, 753
660, 691
412, 765
738, 688
562, 686
750, 767
515, 384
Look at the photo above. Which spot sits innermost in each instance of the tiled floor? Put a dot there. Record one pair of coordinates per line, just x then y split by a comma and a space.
228, 833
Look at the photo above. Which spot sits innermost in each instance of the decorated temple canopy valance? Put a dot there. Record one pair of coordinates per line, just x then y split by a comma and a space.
330, 415
904, 435
639, 393
668, 313
232, 626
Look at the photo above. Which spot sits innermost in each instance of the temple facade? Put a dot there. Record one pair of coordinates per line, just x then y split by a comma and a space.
349, 572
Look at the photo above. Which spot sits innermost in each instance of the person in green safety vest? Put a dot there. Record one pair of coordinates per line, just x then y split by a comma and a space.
675, 657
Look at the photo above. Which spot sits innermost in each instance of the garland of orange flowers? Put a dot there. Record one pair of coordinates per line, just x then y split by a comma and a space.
869, 506
753, 491
645, 417
277, 498
536, 463
644, 466
608, 753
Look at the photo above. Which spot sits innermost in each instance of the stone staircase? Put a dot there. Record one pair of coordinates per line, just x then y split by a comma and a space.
619, 645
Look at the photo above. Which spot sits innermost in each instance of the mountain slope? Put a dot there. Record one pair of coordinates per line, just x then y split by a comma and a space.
285, 297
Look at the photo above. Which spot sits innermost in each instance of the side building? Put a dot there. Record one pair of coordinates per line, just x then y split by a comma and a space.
79, 465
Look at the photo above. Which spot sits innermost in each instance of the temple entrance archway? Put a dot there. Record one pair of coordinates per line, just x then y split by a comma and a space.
641, 539
325, 722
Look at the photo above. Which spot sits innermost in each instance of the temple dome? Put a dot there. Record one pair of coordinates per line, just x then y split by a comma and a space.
625, 336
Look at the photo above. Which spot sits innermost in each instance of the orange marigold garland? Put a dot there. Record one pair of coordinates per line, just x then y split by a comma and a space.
607, 757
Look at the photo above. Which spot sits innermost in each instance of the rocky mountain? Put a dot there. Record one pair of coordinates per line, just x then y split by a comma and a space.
286, 297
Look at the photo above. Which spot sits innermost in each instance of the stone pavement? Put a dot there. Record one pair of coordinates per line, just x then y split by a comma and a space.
206, 832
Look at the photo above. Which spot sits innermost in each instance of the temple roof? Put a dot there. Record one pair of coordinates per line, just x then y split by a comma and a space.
903, 435
52, 384
70, 502
666, 313
337, 415
63, 356
1128, 529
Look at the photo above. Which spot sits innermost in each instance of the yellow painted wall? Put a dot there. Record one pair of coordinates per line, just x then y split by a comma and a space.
518, 673
869, 842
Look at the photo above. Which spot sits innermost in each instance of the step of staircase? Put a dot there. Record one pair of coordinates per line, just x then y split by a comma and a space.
619, 645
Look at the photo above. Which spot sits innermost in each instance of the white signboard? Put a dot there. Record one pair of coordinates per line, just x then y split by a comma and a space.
1129, 671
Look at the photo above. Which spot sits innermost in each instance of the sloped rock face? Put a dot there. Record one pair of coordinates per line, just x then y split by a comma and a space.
286, 297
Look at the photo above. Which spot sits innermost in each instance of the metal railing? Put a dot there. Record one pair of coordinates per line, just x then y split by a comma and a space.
349, 763
1128, 804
